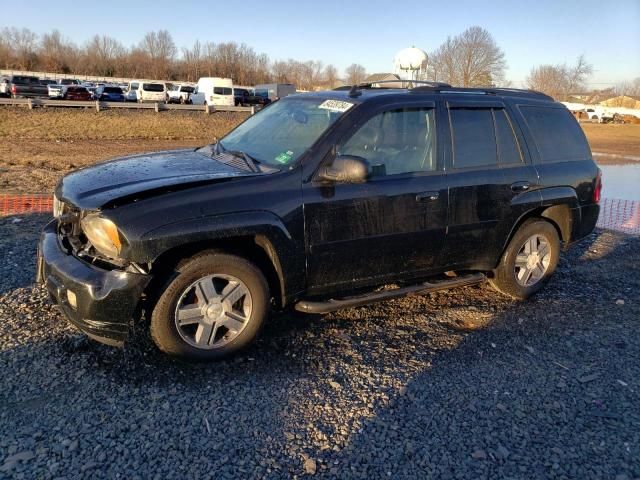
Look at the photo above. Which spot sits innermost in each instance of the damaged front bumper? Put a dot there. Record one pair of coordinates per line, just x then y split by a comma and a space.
99, 302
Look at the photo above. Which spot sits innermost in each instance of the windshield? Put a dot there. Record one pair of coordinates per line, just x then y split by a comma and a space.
279, 134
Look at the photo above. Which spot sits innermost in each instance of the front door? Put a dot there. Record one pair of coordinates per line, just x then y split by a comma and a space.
391, 226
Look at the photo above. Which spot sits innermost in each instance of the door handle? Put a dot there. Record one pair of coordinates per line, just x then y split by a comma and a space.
520, 186
427, 196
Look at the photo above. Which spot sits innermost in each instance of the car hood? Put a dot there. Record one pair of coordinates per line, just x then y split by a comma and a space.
98, 185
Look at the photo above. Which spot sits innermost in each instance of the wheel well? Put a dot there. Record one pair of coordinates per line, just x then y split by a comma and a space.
558, 215
247, 247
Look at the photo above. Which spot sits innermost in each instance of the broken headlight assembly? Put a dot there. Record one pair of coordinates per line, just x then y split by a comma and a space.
58, 207
103, 234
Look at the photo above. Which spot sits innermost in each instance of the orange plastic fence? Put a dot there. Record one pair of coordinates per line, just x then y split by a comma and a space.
17, 204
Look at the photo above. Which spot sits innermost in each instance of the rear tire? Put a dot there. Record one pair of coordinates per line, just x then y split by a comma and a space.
528, 261
198, 315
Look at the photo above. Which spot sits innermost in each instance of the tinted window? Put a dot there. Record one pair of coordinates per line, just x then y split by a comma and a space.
397, 141
474, 143
153, 87
24, 80
112, 90
508, 148
222, 91
556, 134
186, 89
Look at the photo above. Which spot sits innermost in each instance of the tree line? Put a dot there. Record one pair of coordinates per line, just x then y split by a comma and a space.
470, 59
157, 56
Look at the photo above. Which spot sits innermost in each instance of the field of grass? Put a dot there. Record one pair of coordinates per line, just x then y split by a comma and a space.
87, 124
38, 146
616, 139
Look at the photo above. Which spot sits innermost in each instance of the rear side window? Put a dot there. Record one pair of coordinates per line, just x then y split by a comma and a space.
556, 133
222, 91
508, 149
153, 87
474, 142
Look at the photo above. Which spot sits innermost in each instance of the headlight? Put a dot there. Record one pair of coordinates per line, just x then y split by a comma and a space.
103, 234
57, 207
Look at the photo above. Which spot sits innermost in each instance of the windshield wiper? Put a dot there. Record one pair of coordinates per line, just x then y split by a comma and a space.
251, 162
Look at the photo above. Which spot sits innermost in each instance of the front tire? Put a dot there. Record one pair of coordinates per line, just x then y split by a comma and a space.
213, 306
528, 261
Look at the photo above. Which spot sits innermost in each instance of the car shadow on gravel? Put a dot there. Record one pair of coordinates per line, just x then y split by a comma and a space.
462, 383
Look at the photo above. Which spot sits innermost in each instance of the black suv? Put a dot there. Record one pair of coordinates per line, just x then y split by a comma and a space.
317, 202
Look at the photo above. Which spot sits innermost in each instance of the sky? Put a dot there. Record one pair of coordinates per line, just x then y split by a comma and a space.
341, 32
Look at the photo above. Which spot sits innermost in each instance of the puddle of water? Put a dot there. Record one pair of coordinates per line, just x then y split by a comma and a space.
621, 181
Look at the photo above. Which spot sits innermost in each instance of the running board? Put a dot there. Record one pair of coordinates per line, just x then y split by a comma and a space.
332, 305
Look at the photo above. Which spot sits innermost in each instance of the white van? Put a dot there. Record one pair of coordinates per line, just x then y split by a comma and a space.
213, 91
151, 92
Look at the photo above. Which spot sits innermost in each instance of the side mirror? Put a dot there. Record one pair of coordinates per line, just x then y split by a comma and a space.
345, 169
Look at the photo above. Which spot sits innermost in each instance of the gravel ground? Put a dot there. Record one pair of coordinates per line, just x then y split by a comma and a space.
458, 384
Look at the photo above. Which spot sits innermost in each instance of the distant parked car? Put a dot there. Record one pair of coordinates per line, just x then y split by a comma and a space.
180, 93
76, 92
275, 91
244, 98
5, 88
130, 94
213, 91
58, 89
151, 92
26, 86
109, 94
599, 114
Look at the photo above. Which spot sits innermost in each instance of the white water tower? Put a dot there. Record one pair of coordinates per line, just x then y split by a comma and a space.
409, 62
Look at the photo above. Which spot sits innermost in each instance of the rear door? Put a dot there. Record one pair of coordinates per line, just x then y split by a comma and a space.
490, 183
391, 226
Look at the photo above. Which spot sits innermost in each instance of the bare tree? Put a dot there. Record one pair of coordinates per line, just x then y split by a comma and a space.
57, 54
103, 54
330, 76
560, 81
355, 73
192, 59
160, 52
471, 59
630, 89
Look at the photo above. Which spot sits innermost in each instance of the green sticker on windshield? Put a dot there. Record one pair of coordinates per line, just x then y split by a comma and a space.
284, 157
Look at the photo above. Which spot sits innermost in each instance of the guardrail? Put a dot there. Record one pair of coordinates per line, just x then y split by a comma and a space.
32, 103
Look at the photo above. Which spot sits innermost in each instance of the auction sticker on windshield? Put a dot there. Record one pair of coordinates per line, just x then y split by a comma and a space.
335, 105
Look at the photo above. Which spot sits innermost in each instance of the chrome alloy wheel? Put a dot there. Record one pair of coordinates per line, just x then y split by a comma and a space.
532, 261
213, 311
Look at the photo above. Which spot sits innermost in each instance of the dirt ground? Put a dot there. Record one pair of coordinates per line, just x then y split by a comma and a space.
613, 139
37, 147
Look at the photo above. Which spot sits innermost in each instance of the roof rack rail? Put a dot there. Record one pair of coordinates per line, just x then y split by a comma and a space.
514, 92
437, 87
354, 90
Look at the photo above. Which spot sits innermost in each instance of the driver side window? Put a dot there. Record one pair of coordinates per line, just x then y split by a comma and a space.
396, 141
